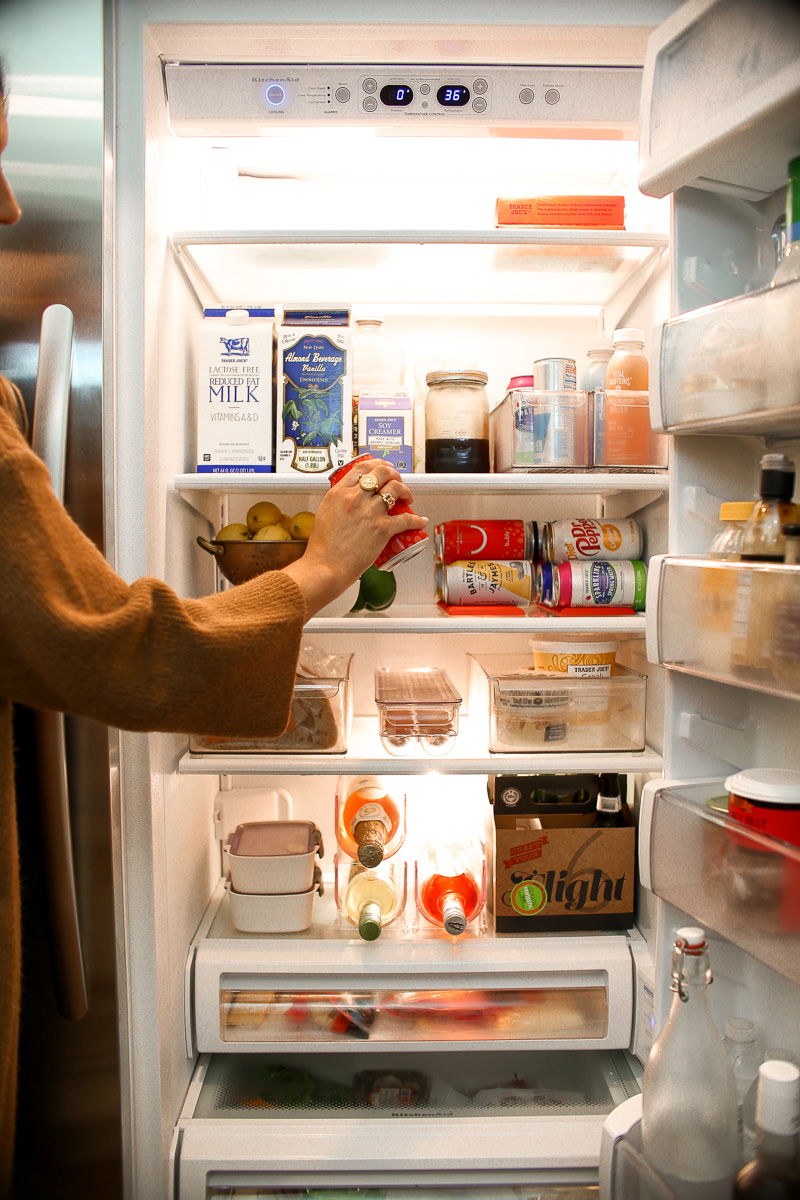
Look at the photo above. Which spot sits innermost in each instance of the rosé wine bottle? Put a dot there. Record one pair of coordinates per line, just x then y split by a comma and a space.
451, 886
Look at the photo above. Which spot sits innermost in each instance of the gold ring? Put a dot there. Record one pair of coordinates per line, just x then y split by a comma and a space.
369, 483
388, 500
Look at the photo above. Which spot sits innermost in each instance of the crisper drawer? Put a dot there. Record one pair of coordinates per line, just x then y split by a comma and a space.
307, 1125
733, 622
743, 885
731, 367
328, 990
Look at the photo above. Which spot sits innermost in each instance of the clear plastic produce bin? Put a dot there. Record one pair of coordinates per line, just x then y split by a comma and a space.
531, 711
321, 717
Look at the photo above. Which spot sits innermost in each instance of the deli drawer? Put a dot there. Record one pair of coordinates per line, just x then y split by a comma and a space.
307, 1124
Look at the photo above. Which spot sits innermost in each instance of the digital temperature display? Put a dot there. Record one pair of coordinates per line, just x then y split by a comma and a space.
453, 95
396, 95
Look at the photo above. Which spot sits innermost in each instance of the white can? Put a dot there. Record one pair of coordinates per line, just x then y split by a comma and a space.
478, 581
234, 391
585, 538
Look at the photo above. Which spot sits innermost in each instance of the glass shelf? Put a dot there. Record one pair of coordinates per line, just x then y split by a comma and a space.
470, 756
743, 885
608, 483
732, 367
739, 622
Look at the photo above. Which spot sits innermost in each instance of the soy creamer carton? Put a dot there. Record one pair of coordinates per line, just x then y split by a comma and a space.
314, 400
234, 391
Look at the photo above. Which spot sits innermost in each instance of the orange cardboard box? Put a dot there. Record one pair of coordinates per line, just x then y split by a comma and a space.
563, 212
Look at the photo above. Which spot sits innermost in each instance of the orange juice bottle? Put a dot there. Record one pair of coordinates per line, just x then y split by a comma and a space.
628, 434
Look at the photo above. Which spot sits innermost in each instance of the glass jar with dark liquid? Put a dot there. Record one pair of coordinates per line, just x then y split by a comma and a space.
457, 422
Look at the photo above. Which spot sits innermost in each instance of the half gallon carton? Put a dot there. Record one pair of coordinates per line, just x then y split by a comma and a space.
314, 401
234, 391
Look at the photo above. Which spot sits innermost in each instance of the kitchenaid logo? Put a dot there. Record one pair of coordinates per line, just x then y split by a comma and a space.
586, 889
275, 79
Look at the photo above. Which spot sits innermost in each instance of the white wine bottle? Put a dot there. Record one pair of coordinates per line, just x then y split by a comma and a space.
689, 1111
370, 897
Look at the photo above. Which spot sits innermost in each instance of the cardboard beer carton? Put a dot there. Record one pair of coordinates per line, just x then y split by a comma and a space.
554, 871
314, 392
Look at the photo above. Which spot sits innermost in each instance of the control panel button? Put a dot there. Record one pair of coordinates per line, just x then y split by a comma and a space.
342, 94
275, 94
480, 86
370, 104
424, 89
479, 105
526, 96
552, 96
370, 85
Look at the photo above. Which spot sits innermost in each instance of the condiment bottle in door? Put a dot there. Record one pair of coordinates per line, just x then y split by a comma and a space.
628, 434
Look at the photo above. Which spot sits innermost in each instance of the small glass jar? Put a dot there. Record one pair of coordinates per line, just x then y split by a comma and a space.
457, 422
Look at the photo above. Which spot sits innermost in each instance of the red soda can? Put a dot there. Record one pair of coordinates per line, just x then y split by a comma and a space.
401, 546
498, 541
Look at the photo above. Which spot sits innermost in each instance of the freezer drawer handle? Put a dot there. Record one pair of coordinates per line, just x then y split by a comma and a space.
51, 410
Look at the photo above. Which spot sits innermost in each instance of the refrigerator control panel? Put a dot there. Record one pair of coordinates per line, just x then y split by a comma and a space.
238, 98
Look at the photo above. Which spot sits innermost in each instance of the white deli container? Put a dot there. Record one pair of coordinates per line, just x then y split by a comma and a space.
273, 857
286, 913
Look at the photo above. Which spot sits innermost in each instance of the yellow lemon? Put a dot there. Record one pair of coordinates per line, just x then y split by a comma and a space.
272, 533
286, 521
261, 514
237, 532
300, 526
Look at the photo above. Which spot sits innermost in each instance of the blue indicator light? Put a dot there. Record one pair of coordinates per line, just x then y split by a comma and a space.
275, 94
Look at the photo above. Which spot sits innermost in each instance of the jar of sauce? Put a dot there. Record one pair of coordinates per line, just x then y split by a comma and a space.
457, 422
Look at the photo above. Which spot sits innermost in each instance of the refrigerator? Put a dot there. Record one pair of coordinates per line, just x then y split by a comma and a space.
266, 157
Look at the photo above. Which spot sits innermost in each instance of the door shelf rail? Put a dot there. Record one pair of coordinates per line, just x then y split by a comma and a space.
731, 367
743, 885
732, 622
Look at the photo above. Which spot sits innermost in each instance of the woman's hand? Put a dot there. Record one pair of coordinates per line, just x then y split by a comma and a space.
351, 527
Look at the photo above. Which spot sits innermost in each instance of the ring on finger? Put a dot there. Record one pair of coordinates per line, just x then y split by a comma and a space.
389, 500
368, 482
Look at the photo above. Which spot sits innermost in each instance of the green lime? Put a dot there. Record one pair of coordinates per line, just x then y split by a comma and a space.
377, 590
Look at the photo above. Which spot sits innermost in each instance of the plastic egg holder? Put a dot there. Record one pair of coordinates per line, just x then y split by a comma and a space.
416, 705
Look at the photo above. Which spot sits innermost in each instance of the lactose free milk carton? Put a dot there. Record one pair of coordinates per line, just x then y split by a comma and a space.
234, 396
315, 431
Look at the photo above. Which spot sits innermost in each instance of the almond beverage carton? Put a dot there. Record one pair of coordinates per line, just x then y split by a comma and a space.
314, 395
234, 391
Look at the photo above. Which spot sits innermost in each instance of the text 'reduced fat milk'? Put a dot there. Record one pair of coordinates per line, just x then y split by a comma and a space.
234, 404
315, 432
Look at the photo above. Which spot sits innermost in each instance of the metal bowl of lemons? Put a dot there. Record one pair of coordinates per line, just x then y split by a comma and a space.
266, 540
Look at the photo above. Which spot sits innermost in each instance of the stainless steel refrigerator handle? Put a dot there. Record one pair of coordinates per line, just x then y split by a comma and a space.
50, 413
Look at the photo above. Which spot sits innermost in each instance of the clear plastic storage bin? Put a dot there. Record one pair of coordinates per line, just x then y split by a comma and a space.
532, 711
322, 713
417, 704
622, 433
534, 430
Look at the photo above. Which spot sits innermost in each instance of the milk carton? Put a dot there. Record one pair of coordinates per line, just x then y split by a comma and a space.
314, 413
234, 391
385, 426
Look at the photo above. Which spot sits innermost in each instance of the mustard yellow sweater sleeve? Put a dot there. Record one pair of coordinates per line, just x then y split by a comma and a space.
75, 637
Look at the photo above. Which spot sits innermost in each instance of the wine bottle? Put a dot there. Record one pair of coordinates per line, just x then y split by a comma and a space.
448, 891
774, 1173
789, 266
609, 803
369, 824
371, 897
689, 1115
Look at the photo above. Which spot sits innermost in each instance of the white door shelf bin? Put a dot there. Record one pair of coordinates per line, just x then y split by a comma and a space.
732, 367
446, 1134
743, 885
740, 622
248, 991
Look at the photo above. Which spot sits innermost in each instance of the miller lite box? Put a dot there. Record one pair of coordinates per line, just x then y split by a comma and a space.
234, 391
314, 395
552, 870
